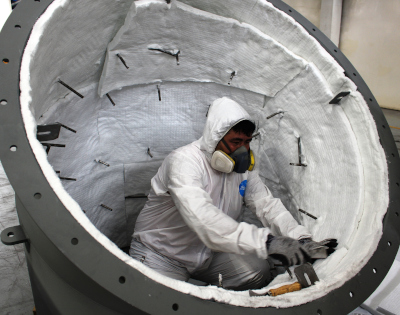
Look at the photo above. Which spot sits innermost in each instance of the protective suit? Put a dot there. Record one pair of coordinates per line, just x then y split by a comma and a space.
193, 210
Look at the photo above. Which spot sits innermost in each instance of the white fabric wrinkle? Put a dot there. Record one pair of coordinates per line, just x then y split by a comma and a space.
182, 27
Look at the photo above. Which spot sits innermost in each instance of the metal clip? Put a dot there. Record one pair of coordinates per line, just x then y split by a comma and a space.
270, 116
220, 282
13, 235
49, 145
68, 128
123, 61
168, 52
338, 98
208, 110
300, 154
102, 162
67, 178
159, 92
309, 214
111, 100
48, 132
231, 78
70, 88
105, 207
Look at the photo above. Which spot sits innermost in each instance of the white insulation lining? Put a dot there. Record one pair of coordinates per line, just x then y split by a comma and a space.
278, 67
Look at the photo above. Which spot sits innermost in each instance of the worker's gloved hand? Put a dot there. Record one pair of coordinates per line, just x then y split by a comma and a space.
287, 250
321, 249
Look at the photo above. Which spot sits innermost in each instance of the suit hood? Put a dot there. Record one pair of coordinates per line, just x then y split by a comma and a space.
223, 114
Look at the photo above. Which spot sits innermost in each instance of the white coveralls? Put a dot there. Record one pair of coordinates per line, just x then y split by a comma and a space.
189, 226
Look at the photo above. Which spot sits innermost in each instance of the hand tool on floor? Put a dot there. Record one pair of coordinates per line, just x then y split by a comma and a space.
306, 277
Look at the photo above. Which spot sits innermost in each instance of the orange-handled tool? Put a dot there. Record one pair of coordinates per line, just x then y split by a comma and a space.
305, 275
285, 289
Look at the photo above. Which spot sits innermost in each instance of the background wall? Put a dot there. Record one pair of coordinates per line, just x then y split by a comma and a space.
370, 39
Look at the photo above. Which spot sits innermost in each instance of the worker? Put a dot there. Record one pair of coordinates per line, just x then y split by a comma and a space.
189, 225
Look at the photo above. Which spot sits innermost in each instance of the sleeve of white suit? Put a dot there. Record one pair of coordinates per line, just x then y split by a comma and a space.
270, 211
217, 231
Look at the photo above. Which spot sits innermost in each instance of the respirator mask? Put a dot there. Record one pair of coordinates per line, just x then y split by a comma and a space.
238, 161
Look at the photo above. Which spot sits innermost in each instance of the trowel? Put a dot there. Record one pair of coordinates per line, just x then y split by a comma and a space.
306, 277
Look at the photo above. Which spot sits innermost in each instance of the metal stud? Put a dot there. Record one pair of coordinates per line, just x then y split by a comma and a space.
111, 100
231, 78
123, 61
102, 162
70, 88
300, 154
105, 207
309, 214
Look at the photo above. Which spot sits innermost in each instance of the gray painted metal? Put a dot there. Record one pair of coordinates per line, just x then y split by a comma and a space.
72, 273
13, 235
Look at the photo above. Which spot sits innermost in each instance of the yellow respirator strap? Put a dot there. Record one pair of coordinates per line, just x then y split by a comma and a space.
252, 161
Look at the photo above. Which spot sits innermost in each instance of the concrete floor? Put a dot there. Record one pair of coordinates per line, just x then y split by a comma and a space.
16, 295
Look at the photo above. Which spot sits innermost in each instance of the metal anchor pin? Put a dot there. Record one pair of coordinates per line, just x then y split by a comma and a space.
300, 154
123, 61
70, 88
270, 116
102, 162
105, 207
231, 78
309, 214
111, 100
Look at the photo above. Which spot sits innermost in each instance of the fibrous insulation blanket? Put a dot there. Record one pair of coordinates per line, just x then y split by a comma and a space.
258, 56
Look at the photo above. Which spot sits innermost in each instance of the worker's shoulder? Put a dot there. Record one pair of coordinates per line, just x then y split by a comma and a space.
190, 153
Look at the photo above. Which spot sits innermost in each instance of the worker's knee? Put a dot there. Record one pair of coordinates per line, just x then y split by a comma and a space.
257, 275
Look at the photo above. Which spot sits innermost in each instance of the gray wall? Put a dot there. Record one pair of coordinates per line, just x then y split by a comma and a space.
370, 38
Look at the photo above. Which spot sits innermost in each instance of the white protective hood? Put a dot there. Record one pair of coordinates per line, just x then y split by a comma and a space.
222, 115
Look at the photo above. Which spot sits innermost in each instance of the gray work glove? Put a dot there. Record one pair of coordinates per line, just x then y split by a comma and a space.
321, 249
287, 250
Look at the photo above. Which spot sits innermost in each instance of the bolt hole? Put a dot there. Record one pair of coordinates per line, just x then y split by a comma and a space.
10, 234
5, 60
314, 29
393, 155
351, 294
17, 26
383, 126
389, 243
397, 214
335, 50
122, 279
175, 307
397, 184
319, 312
37, 0
37, 195
74, 241
290, 10
13, 148
374, 270
3, 102
370, 99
